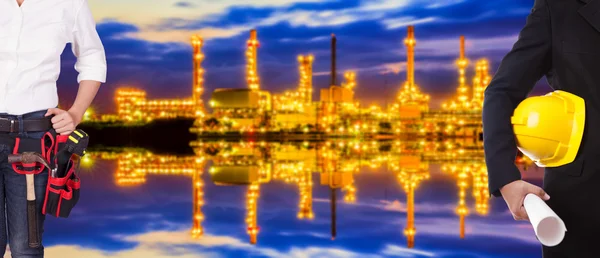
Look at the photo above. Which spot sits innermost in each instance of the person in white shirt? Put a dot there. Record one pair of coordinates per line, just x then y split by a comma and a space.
33, 35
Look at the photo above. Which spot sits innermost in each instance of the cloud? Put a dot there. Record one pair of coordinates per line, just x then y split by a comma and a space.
398, 251
311, 234
400, 67
383, 5
444, 3
171, 244
183, 36
211, 14
150, 11
477, 227
314, 18
313, 39
184, 4
399, 206
394, 206
405, 21
70, 251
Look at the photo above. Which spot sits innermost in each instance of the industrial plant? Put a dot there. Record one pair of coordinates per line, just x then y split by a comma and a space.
294, 113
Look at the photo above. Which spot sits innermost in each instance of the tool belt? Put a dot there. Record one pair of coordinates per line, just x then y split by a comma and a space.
62, 153
8, 125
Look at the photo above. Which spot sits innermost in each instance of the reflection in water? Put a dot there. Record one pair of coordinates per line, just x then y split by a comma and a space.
410, 173
253, 164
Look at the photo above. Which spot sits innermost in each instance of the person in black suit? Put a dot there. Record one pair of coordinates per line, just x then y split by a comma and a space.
560, 40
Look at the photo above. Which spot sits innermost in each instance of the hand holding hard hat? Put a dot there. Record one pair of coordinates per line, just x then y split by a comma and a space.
548, 129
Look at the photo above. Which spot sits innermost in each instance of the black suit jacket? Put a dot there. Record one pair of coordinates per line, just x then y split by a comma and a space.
560, 40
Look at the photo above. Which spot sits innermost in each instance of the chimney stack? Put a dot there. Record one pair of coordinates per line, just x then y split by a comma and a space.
333, 60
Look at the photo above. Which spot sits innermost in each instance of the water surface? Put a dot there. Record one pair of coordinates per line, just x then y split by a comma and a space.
209, 204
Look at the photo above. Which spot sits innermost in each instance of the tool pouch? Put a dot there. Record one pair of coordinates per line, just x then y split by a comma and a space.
62, 192
22, 145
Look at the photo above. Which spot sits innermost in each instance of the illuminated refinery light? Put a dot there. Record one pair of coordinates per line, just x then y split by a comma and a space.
132, 105
462, 210
198, 202
306, 199
198, 82
336, 164
410, 95
480, 189
480, 82
251, 206
462, 101
252, 61
350, 193
306, 78
409, 176
349, 80
88, 115
298, 101
336, 113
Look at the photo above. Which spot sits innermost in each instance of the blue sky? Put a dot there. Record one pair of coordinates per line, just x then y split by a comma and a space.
147, 43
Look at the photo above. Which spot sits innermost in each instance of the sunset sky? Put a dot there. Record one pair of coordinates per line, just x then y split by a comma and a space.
147, 43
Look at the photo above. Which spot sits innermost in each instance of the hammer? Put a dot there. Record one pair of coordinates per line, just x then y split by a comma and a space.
30, 157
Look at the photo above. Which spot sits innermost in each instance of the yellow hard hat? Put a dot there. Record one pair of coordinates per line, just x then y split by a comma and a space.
549, 128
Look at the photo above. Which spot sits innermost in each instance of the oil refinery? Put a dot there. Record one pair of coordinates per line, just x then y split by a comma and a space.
337, 113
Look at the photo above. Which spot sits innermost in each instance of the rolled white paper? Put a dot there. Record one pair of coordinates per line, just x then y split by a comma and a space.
548, 227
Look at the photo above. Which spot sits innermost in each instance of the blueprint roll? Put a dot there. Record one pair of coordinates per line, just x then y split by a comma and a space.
549, 228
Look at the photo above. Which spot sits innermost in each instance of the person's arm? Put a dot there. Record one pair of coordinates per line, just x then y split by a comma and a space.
529, 59
91, 66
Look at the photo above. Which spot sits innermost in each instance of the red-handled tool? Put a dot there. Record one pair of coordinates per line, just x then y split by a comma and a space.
32, 220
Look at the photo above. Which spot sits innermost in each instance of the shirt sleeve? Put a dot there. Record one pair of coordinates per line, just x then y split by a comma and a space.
520, 69
87, 47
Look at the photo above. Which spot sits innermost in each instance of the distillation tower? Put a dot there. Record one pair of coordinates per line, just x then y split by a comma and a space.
198, 81
462, 101
480, 82
306, 80
411, 102
252, 61
133, 106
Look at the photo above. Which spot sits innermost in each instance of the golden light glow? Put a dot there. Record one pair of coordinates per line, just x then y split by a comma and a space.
349, 80
411, 102
305, 89
480, 83
252, 61
88, 115
132, 105
410, 172
462, 101
336, 113
251, 214
198, 82
336, 162
198, 201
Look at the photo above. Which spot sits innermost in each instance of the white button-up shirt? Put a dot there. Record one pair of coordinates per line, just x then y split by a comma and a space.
32, 38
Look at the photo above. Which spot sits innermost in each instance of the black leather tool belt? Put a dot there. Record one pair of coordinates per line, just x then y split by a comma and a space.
8, 125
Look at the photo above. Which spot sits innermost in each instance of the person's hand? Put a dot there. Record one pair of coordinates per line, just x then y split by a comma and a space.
514, 194
64, 122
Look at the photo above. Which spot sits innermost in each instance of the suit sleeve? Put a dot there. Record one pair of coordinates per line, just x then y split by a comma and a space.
527, 61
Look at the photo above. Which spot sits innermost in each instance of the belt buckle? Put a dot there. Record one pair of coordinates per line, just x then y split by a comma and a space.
12, 126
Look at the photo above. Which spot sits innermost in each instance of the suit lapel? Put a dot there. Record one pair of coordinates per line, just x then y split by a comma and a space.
591, 12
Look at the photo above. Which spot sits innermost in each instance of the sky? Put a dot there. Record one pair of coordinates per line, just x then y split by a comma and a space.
148, 43
153, 219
